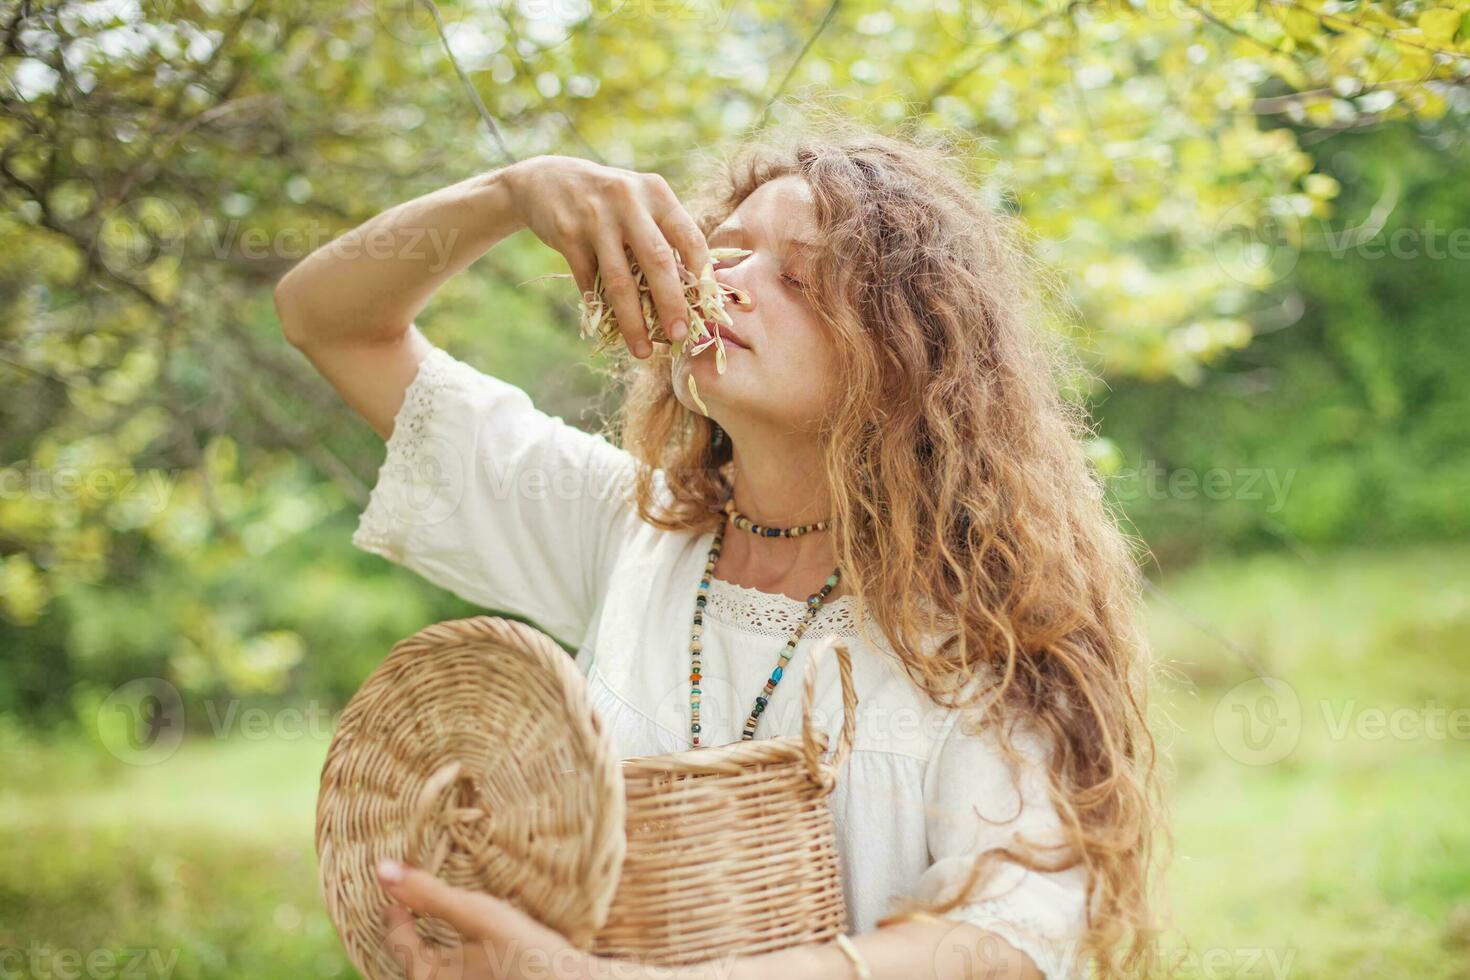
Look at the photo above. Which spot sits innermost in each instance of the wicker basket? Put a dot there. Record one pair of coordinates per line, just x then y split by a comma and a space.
473, 751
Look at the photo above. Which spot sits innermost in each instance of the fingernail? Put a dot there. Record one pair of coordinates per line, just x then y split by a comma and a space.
390, 871
644, 349
678, 330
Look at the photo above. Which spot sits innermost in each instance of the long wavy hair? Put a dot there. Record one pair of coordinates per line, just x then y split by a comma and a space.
964, 505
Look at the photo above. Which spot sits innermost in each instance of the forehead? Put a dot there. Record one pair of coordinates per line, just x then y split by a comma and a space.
778, 209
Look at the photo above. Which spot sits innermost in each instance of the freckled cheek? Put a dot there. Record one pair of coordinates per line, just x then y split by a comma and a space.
805, 356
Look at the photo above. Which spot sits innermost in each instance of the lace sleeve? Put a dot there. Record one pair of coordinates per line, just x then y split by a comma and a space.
485, 495
978, 800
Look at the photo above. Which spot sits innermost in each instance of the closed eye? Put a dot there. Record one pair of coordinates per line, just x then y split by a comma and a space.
792, 281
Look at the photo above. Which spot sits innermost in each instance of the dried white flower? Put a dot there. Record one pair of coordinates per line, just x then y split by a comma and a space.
704, 299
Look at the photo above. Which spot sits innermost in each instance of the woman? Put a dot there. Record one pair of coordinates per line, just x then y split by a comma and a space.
888, 402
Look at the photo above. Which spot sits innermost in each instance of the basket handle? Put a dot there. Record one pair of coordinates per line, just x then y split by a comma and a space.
422, 821
825, 775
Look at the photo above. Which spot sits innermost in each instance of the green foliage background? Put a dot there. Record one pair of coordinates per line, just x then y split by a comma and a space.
1257, 209
168, 461
1354, 400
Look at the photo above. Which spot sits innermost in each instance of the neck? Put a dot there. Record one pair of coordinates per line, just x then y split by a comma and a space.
780, 486
779, 483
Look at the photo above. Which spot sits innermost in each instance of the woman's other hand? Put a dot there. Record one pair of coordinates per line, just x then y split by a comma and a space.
497, 940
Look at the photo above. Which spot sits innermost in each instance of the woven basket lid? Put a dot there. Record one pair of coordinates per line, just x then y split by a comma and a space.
473, 752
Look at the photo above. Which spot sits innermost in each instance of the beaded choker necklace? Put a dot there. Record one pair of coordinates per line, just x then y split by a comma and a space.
696, 644
746, 524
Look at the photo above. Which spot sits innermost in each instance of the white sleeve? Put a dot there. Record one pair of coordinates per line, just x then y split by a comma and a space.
976, 800
487, 496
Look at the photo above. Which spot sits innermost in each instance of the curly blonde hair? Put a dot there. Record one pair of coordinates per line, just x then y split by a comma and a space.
963, 502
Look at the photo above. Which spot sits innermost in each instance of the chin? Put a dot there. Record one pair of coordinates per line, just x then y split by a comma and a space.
718, 391
703, 367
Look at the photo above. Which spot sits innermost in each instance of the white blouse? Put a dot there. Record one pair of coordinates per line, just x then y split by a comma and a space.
485, 495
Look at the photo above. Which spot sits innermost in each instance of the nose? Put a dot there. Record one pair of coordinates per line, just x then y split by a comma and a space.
738, 298
733, 293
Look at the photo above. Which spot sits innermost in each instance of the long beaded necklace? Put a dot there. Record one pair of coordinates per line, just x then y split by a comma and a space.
696, 643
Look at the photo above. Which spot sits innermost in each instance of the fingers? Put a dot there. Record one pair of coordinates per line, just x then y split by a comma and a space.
638, 213
489, 928
684, 234
622, 293
472, 914
678, 228
583, 263
656, 259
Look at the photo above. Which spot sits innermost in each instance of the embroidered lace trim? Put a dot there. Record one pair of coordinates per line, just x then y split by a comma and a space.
776, 616
377, 528
1010, 919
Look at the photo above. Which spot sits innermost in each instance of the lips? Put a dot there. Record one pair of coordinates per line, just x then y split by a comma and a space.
728, 334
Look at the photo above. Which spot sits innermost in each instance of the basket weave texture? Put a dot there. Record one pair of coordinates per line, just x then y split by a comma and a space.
473, 751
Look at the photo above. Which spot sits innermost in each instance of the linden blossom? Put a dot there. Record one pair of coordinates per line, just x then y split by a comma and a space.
704, 298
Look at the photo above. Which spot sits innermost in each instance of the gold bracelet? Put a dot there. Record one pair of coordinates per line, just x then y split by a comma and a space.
931, 917
850, 951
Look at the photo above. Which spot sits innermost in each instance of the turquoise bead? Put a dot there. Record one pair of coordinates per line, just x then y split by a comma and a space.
814, 603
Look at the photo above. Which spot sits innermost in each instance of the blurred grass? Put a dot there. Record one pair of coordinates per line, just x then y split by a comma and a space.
207, 856
1347, 857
